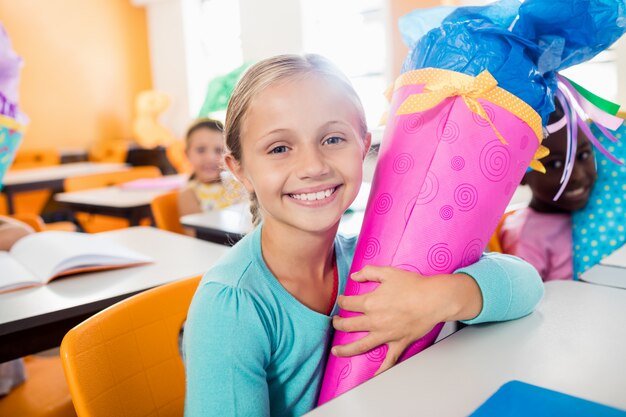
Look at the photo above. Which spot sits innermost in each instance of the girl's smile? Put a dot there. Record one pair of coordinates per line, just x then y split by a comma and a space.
316, 196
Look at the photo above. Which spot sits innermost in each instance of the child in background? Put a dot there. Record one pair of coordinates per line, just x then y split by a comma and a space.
11, 373
541, 234
260, 324
209, 187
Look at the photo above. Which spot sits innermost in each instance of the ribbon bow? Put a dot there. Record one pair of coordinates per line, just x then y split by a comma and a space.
452, 85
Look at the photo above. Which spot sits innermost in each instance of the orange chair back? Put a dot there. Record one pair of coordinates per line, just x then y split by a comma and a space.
494, 244
175, 153
109, 151
31, 219
35, 158
124, 361
165, 212
106, 179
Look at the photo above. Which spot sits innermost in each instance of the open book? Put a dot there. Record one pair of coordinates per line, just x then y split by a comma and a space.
39, 258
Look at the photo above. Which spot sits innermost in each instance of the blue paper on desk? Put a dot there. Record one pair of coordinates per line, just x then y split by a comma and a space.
519, 399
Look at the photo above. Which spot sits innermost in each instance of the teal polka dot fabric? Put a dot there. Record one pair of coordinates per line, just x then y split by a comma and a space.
598, 229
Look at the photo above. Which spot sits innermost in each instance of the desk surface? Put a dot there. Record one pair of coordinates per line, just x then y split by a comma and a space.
59, 172
237, 221
612, 276
72, 297
611, 271
573, 343
120, 196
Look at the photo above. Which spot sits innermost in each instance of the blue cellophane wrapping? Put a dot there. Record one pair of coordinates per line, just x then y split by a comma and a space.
522, 45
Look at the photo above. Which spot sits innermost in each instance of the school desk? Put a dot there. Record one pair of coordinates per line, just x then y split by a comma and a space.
573, 343
50, 178
229, 225
120, 201
610, 271
36, 319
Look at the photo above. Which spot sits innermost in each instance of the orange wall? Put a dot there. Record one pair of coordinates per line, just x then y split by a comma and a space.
397, 9
84, 62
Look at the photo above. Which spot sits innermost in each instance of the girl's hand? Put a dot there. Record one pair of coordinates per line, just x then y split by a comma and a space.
403, 308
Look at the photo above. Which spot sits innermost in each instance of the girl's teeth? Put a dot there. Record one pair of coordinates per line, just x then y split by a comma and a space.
320, 195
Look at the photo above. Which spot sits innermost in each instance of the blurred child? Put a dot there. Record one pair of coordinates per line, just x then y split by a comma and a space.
210, 187
260, 324
541, 234
11, 373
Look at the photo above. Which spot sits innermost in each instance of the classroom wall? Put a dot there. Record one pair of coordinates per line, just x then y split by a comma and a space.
84, 62
397, 48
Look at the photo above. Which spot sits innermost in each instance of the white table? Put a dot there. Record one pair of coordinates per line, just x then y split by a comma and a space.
230, 224
574, 343
50, 177
120, 201
610, 271
35, 319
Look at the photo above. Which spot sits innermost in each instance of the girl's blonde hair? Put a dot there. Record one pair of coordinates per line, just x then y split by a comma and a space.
270, 72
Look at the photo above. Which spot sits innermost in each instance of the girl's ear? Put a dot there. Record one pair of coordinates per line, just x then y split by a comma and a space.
367, 142
235, 167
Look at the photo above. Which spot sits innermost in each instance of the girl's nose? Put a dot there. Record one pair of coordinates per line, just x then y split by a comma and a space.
312, 164
579, 173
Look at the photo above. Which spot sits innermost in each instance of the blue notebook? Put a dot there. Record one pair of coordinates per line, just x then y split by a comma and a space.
517, 398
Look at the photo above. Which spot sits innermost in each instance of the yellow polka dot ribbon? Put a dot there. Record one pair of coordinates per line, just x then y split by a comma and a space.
11, 124
440, 84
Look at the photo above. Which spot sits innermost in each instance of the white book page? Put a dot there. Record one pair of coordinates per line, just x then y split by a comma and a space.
13, 275
47, 254
617, 258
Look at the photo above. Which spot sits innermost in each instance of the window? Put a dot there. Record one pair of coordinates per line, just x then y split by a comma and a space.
351, 33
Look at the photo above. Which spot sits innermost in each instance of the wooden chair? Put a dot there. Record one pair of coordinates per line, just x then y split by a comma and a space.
165, 212
93, 223
125, 361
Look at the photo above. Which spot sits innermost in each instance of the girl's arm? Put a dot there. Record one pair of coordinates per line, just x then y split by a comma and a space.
406, 305
11, 231
226, 351
188, 204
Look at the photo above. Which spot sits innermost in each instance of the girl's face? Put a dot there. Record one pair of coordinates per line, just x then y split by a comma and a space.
302, 154
545, 186
206, 154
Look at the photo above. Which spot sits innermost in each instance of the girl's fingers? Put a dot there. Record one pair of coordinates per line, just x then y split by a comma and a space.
370, 273
356, 348
393, 354
355, 303
351, 324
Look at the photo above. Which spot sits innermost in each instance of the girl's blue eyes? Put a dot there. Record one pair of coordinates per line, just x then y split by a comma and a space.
279, 149
333, 140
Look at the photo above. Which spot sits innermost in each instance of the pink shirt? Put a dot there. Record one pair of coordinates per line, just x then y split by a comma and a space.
543, 240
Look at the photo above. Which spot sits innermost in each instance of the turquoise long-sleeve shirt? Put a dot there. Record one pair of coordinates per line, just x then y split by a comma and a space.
252, 349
